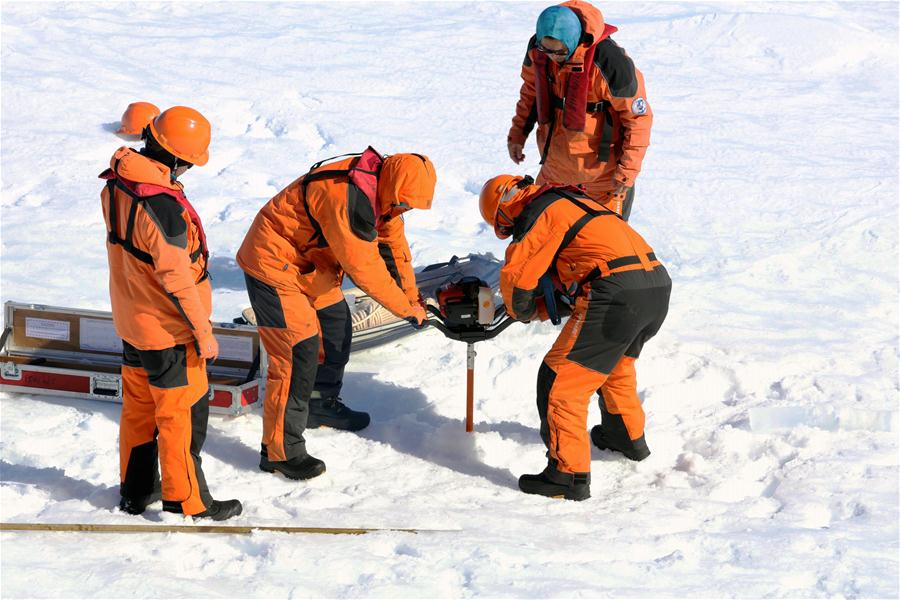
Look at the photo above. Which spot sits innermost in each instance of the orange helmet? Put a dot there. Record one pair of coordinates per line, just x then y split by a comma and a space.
496, 192
137, 116
406, 181
184, 132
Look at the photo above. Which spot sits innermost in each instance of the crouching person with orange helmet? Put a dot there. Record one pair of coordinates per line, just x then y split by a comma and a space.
619, 295
161, 303
343, 216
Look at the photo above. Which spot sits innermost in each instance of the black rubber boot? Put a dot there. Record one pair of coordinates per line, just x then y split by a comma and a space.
304, 467
616, 439
220, 510
331, 412
136, 506
217, 510
552, 483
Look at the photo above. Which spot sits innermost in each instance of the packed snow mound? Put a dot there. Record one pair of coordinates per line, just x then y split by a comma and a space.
769, 191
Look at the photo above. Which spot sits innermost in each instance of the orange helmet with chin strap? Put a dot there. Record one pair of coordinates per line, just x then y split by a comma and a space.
184, 132
494, 194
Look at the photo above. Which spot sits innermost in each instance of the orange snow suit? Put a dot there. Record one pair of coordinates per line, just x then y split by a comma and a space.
295, 255
621, 295
592, 115
161, 301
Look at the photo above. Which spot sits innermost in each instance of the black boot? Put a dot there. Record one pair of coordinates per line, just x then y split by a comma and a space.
137, 505
217, 510
301, 467
220, 510
331, 412
552, 483
616, 438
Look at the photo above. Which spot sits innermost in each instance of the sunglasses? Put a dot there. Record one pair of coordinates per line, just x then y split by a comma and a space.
541, 48
503, 223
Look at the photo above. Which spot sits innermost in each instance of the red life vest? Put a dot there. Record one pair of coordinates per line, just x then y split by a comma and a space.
138, 190
575, 110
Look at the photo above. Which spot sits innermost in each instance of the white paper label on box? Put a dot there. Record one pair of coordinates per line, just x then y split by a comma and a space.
47, 329
99, 335
235, 347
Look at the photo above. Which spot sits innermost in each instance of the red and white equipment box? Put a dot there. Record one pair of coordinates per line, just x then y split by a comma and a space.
76, 352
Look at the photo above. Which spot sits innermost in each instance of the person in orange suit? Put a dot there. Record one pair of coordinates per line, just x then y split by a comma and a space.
589, 104
161, 303
570, 252
341, 216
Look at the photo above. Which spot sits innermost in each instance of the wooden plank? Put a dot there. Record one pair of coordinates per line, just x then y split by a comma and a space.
220, 529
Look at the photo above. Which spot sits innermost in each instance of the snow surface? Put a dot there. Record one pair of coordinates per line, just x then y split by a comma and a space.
770, 191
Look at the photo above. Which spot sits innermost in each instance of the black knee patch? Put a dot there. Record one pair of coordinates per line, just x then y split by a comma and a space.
304, 363
167, 368
626, 205
545, 380
142, 472
266, 303
336, 328
199, 423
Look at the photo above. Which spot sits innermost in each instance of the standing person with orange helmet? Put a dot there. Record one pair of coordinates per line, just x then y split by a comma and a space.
617, 292
161, 304
589, 104
343, 216
136, 117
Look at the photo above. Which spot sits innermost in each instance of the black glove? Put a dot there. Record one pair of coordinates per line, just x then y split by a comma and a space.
563, 308
415, 323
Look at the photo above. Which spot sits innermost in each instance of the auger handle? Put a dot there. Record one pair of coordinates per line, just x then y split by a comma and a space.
470, 386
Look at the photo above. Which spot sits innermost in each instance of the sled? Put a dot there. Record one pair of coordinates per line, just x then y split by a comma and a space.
76, 353
374, 325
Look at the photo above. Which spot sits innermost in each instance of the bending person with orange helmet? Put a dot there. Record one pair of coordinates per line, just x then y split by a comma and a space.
343, 216
161, 303
617, 291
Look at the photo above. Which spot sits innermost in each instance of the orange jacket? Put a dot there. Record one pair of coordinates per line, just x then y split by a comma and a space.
614, 140
158, 283
394, 249
555, 233
306, 241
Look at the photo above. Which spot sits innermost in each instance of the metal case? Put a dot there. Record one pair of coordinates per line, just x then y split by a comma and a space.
76, 353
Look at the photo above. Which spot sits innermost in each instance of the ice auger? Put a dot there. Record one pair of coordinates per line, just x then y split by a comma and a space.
466, 312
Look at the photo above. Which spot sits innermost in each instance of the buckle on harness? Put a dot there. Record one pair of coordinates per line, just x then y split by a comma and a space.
590, 107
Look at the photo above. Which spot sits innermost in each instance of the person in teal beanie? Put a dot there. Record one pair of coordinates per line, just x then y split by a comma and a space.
560, 23
587, 104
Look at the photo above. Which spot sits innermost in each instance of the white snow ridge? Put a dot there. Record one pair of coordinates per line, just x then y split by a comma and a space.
770, 191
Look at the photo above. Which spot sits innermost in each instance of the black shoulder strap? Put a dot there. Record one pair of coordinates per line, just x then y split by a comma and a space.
318, 236
523, 223
325, 160
592, 211
127, 242
313, 175
113, 214
319, 175
577, 226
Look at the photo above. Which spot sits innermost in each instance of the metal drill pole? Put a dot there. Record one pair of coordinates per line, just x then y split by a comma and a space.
470, 385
